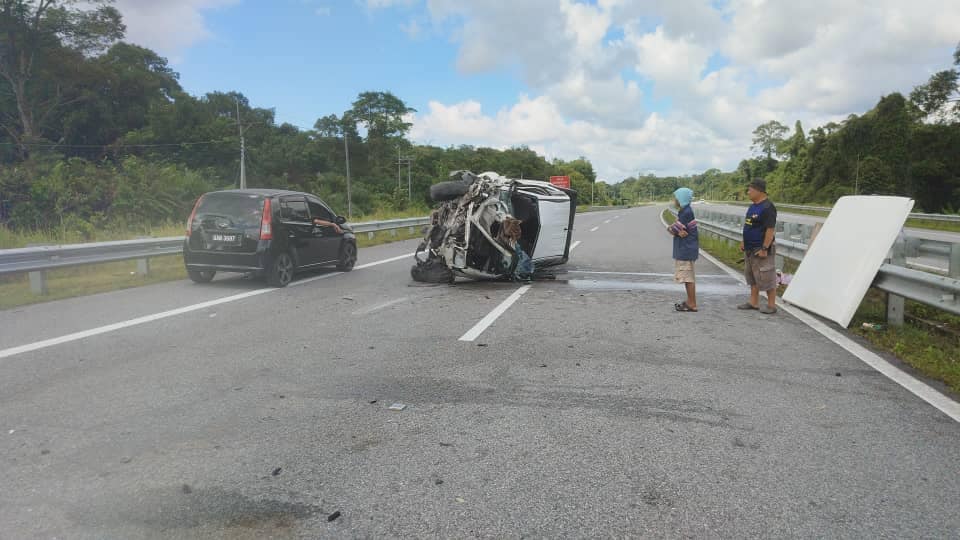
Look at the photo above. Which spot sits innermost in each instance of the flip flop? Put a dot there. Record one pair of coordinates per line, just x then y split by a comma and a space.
682, 306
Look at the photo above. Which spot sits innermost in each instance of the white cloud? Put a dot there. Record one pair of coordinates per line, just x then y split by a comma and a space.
168, 27
323, 11
814, 61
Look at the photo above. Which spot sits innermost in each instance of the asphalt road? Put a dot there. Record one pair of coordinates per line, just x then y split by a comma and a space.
589, 408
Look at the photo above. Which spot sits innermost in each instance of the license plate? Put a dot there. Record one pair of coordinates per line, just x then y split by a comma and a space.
226, 238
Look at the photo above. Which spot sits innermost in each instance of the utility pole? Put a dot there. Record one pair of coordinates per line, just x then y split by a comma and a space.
243, 151
400, 161
346, 152
856, 182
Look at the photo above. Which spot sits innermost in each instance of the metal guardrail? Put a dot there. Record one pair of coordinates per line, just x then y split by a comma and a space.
947, 218
38, 260
894, 278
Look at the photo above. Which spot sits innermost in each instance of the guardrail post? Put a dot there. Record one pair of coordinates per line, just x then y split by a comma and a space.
143, 266
953, 267
371, 235
38, 282
895, 304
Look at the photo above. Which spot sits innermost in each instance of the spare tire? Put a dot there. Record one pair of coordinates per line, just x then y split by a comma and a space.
448, 191
431, 271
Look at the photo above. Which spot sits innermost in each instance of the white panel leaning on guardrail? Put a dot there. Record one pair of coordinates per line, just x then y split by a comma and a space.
38, 260
894, 278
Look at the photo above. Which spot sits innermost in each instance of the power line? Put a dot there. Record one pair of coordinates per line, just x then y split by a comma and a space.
116, 146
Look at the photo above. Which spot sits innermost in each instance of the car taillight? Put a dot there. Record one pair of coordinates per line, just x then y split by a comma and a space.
192, 215
266, 231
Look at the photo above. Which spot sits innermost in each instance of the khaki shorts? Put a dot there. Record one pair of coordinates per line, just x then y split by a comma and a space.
683, 272
761, 272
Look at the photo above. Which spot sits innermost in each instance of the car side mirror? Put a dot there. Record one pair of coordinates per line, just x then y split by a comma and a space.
340, 220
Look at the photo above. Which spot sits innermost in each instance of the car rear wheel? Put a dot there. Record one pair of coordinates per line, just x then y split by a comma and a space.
201, 276
447, 191
348, 257
281, 272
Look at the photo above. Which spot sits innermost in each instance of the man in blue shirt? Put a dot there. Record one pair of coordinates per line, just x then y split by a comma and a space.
686, 247
759, 248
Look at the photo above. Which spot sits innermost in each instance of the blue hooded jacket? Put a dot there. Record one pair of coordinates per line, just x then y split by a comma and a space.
686, 249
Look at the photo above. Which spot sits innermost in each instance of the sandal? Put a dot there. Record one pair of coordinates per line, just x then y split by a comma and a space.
682, 306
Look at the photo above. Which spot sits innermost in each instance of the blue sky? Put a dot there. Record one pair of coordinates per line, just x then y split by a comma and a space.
633, 85
307, 65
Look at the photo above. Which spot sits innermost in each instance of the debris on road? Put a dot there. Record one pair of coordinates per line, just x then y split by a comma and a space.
460, 500
334, 516
397, 407
876, 327
126, 459
839, 374
373, 401
186, 489
438, 482
446, 444
276, 472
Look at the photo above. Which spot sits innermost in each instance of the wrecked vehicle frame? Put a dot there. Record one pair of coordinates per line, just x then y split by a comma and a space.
490, 227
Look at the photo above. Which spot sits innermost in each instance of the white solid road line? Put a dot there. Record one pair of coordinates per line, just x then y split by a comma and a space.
595, 228
378, 307
385, 261
915, 386
485, 322
13, 351
918, 388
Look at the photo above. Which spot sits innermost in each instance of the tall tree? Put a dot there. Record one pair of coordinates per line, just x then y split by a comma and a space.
939, 98
37, 37
768, 137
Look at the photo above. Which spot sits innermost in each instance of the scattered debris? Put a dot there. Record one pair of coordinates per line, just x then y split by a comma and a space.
446, 444
213, 315
438, 482
44, 452
371, 347
397, 407
276, 472
839, 374
876, 327
543, 365
460, 500
350, 298
372, 402
186, 489
126, 459
334, 516
12, 431
481, 344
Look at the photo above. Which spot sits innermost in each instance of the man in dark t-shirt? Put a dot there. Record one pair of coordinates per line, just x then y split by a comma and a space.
759, 248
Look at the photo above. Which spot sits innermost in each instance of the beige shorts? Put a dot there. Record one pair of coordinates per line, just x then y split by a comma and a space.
683, 272
761, 272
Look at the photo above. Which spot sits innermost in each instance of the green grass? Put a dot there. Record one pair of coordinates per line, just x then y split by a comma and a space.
933, 352
91, 279
15, 239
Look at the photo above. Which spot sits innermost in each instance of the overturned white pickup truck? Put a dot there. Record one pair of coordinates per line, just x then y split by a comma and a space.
492, 227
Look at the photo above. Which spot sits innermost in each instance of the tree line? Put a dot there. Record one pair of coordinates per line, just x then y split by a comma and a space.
98, 132
905, 145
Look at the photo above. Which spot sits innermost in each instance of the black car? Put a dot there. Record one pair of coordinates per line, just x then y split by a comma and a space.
272, 233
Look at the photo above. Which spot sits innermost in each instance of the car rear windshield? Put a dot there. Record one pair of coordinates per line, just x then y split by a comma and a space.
240, 210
